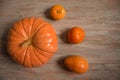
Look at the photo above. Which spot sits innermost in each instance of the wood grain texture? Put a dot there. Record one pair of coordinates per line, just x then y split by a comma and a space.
99, 18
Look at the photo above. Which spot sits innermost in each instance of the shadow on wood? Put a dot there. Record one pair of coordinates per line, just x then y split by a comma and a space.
64, 36
61, 64
4, 43
47, 15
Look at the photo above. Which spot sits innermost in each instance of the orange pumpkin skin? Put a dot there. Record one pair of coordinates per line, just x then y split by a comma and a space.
57, 12
32, 42
76, 35
76, 64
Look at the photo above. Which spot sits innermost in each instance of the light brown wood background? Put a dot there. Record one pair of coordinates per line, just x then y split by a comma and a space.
99, 18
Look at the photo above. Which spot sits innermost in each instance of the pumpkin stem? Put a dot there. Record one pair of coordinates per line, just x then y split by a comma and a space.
58, 11
26, 43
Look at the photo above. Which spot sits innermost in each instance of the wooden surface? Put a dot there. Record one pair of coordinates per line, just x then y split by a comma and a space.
99, 18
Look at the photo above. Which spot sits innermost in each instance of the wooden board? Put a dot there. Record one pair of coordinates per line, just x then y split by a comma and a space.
99, 18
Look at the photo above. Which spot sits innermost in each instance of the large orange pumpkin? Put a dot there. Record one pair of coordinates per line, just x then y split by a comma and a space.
32, 42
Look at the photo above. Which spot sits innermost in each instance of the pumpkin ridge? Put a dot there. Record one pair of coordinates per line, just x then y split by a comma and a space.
51, 33
17, 33
24, 28
40, 62
51, 43
39, 29
23, 32
18, 54
25, 56
39, 54
39, 59
39, 25
43, 51
46, 58
30, 59
30, 62
33, 23
15, 39
30, 30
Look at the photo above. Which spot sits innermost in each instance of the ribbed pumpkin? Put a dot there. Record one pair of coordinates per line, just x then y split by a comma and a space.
32, 42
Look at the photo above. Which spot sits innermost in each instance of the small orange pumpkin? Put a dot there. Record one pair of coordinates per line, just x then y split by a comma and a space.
32, 42
76, 35
77, 64
57, 12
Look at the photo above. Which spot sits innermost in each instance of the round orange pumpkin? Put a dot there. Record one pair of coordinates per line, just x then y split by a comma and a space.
32, 42
76, 35
57, 12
